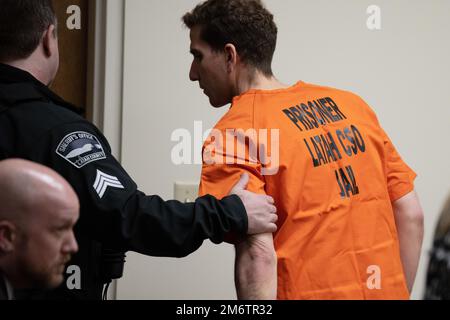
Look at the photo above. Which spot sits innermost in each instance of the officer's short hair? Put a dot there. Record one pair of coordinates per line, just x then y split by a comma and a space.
246, 24
22, 23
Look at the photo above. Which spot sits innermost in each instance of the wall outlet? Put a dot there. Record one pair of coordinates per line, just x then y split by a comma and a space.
186, 192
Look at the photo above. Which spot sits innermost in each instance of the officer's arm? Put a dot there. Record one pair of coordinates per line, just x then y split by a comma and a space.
119, 215
159, 228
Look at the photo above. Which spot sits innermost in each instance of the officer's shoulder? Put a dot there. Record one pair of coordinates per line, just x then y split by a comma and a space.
30, 100
51, 114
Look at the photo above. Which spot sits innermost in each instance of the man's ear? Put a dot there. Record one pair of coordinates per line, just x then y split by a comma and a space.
50, 41
7, 236
231, 56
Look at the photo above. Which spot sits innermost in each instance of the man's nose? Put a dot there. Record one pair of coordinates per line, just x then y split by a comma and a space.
71, 245
193, 73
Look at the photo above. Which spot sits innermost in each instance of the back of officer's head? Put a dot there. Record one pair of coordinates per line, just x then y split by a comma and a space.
22, 24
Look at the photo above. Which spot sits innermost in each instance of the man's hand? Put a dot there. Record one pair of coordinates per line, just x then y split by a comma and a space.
260, 208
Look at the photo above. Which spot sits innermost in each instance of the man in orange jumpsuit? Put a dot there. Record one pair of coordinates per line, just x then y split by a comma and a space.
350, 223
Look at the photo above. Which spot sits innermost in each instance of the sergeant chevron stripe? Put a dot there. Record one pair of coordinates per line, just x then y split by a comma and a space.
103, 181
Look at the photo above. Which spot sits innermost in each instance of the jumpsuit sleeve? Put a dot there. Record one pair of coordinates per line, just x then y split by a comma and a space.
223, 168
400, 177
122, 217
231, 149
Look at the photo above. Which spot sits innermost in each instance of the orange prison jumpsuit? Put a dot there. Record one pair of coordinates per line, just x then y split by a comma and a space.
333, 173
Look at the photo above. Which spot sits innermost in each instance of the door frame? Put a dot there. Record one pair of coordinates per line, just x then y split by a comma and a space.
105, 75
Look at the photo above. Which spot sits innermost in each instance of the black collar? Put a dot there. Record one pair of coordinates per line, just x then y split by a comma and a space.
4, 294
12, 75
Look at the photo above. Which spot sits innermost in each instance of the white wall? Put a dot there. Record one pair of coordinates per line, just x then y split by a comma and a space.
158, 99
403, 71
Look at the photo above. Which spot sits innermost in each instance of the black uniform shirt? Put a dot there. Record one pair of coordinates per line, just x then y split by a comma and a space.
4, 289
37, 125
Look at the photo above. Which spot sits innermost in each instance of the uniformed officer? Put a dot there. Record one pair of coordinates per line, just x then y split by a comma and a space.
37, 125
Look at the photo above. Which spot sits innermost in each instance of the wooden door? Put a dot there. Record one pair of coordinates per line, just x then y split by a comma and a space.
70, 82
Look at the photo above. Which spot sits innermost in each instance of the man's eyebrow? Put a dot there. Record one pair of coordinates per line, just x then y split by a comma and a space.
65, 223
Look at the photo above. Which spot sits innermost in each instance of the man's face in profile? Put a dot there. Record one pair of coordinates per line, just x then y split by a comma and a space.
209, 68
46, 245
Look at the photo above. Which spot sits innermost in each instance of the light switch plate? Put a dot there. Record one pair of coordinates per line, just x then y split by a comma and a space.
186, 192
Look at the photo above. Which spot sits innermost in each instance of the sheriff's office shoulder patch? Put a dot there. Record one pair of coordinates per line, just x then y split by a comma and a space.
80, 148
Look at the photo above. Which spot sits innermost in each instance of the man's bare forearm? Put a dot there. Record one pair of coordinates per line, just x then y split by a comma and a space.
410, 237
410, 229
256, 269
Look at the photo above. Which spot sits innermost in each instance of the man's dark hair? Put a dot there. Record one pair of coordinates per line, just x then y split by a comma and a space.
22, 23
246, 24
